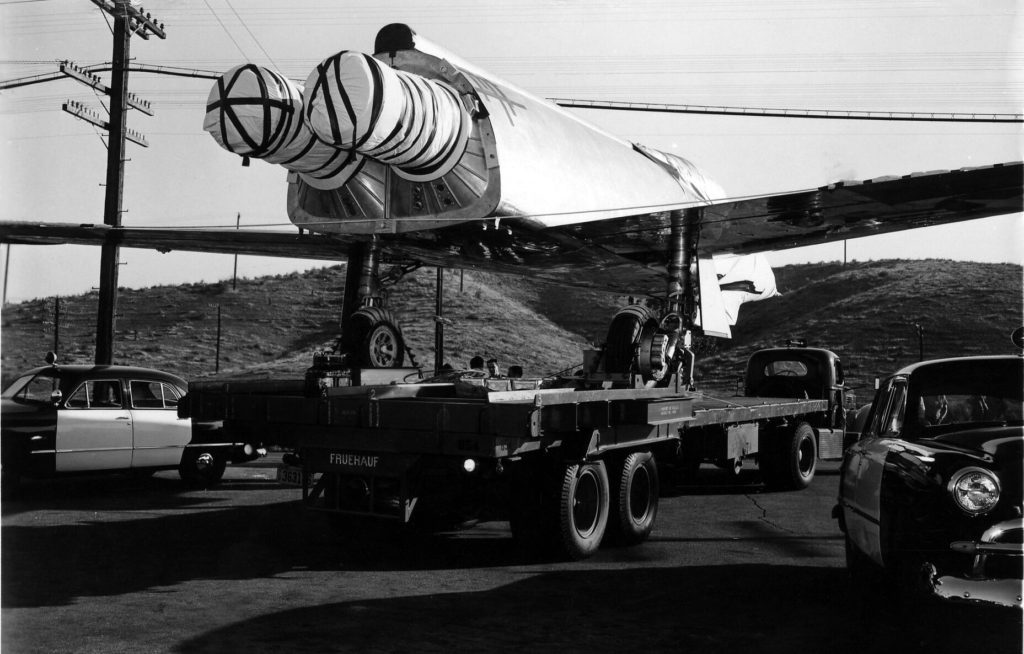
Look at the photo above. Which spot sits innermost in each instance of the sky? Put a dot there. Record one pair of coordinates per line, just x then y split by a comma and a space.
915, 55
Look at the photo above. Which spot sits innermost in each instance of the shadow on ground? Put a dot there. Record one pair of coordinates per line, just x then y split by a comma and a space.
757, 608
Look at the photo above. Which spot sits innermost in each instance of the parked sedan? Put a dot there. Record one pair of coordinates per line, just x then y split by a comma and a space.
76, 419
931, 493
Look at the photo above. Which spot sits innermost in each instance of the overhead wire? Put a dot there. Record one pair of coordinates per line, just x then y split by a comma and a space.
253, 36
226, 31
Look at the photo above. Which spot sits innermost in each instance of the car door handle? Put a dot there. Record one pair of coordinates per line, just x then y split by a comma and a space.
124, 417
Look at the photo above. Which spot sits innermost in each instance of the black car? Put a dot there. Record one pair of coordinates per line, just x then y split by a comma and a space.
78, 419
931, 493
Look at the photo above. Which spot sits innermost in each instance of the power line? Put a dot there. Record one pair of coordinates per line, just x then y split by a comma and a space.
224, 27
253, 36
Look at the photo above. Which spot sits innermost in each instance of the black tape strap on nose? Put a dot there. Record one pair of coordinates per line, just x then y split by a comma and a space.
375, 104
407, 119
226, 106
416, 100
305, 150
328, 171
395, 137
418, 93
415, 164
435, 163
349, 110
321, 86
284, 126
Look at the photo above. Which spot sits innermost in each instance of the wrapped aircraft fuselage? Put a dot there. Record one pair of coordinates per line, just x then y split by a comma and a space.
415, 138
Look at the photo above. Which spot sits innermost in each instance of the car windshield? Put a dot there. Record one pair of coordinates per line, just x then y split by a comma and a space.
32, 389
967, 393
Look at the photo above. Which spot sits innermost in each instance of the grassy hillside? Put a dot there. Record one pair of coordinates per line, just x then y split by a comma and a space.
270, 326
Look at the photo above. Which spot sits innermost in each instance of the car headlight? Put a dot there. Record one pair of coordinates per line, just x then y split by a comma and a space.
974, 490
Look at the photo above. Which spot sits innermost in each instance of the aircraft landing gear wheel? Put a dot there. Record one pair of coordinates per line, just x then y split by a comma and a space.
376, 339
623, 337
583, 509
637, 499
201, 468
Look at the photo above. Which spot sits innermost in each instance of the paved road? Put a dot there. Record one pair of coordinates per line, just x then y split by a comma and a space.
141, 565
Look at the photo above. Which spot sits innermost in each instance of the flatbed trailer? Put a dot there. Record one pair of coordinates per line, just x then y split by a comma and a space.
566, 467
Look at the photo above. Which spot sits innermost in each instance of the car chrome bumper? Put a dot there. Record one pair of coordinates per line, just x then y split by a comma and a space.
1002, 539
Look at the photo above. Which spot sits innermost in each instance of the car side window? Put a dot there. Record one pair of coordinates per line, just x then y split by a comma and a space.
96, 394
38, 390
153, 395
171, 396
883, 417
896, 410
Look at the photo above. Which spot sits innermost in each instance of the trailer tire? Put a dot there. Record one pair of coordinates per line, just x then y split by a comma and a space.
799, 458
376, 338
583, 509
202, 467
637, 506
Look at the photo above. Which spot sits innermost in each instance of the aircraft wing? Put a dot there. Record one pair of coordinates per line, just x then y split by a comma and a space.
845, 210
290, 245
625, 254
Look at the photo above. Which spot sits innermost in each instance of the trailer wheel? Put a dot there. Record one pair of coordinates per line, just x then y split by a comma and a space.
583, 510
637, 507
201, 467
799, 458
377, 340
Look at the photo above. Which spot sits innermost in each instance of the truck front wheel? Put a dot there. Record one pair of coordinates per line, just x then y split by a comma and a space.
799, 458
637, 506
583, 510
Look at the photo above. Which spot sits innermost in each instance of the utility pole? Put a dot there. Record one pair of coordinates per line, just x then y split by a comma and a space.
439, 323
7, 269
128, 20
234, 275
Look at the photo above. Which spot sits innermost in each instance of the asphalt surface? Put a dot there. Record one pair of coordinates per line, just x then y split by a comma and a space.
124, 564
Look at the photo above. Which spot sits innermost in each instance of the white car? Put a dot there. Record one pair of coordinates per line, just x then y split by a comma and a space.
74, 419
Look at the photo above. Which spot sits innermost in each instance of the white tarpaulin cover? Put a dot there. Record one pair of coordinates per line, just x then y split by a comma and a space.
256, 112
728, 282
415, 124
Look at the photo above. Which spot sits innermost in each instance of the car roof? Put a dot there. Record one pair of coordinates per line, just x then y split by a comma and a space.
83, 370
910, 369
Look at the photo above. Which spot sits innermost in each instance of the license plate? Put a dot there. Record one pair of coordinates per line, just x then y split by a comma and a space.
290, 475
